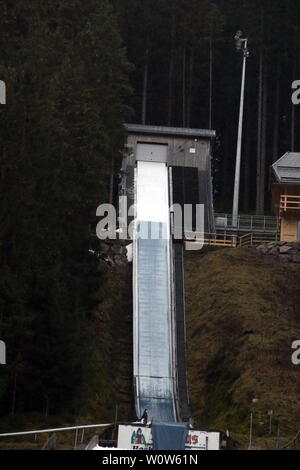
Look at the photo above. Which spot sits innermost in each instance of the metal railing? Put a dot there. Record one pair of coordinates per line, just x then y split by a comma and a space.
247, 222
289, 202
55, 430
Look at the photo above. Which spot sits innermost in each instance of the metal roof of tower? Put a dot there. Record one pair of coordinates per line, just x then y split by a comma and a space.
287, 168
170, 131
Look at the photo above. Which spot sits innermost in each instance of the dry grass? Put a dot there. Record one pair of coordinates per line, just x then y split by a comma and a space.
242, 317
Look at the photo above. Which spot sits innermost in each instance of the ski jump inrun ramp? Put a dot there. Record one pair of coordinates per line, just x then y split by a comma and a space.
162, 167
154, 351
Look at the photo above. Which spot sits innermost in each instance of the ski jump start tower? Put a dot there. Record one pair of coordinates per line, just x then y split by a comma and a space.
162, 166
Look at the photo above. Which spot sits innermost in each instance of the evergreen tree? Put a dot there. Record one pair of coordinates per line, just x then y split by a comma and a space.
66, 74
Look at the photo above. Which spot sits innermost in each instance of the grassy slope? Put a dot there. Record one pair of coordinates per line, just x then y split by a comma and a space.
242, 316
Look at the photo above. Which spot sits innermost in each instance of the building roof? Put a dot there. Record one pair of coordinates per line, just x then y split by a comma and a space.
287, 168
170, 131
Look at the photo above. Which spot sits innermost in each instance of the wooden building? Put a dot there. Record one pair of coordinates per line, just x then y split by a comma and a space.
286, 195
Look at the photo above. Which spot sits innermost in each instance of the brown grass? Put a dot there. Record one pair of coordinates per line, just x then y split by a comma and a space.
242, 317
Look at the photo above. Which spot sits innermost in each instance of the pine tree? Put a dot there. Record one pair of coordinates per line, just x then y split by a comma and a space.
66, 72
